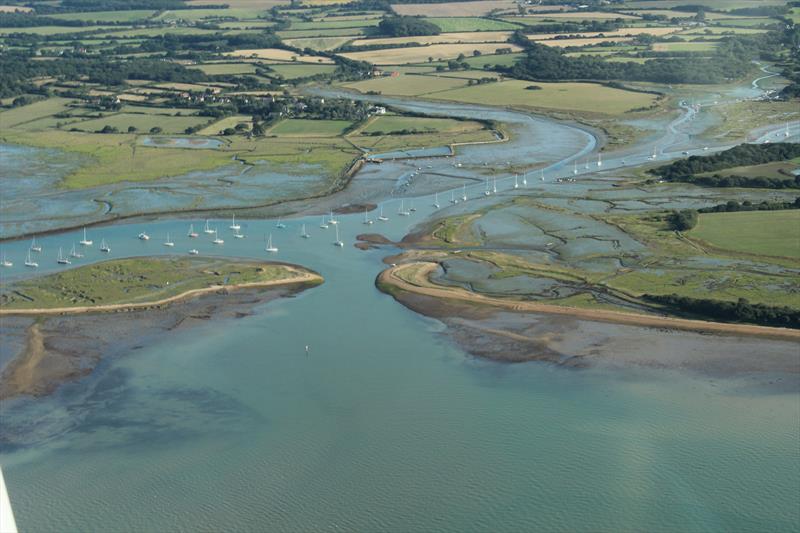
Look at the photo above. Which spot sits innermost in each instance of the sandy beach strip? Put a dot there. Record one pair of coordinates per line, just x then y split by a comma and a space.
414, 277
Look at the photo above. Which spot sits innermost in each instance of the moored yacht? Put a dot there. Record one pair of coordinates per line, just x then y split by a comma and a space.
144, 236
192, 233
323, 224
338, 242
217, 240
168, 242
303, 233
75, 253
208, 229
5, 262
270, 247
35, 247
104, 246
61, 259
234, 226
85, 241
30, 262
381, 216
368, 221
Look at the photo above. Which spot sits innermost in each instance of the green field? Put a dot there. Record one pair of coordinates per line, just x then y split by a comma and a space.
108, 16
319, 43
407, 85
397, 123
130, 281
296, 127
54, 30
487, 59
771, 233
291, 72
460, 24
228, 122
583, 97
142, 122
215, 69
19, 115
334, 32
685, 47
333, 24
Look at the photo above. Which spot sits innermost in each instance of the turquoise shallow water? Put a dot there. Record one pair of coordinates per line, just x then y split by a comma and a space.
384, 426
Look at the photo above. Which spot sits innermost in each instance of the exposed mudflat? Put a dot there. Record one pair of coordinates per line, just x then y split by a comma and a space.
48, 351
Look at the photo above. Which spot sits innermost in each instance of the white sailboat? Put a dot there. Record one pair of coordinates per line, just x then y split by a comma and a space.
599, 159
192, 233
494, 186
85, 241
217, 240
786, 133
75, 253
586, 166
30, 262
270, 248
381, 217
487, 192
368, 221
516, 183
436, 200
104, 246
238, 235
525, 179
193, 251
61, 259
463, 192
168, 242
655, 155
234, 226
323, 224
144, 236
332, 220
304, 234
6, 263
208, 229
402, 210
337, 242
575, 167
453, 197
541, 177
280, 225
412, 208
35, 247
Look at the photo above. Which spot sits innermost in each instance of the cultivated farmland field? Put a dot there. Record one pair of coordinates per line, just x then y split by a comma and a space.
772, 233
419, 54
684, 47
456, 37
279, 54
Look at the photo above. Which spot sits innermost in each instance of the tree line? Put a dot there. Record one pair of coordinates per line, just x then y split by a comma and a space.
686, 170
726, 311
732, 59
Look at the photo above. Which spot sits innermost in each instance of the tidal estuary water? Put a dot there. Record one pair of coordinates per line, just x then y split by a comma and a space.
385, 425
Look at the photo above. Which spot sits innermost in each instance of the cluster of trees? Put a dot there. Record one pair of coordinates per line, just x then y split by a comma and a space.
481, 81
682, 220
740, 311
685, 170
732, 59
77, 6
402, 26
731, 206
17, 70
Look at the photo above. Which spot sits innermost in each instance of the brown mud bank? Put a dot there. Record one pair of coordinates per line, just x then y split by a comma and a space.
49, 350
509, 332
